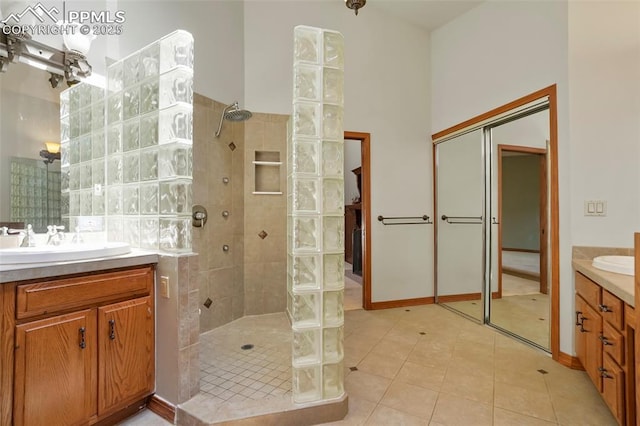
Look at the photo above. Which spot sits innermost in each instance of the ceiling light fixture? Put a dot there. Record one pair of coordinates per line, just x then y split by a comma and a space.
70, 63
355, 4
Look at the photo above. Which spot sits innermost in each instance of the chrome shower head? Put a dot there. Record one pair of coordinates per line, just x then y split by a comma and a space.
233, 113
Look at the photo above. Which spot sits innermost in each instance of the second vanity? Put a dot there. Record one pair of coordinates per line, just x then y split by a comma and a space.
605, 322
77, 339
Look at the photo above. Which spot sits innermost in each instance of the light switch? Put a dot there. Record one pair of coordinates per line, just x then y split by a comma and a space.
164, 287
595, 208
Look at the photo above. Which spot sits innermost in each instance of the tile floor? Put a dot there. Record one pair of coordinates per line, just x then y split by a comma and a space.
428, 366
249, 358
352, 289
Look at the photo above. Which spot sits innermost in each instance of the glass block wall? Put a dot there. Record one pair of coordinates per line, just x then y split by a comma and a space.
127, 152
315, 206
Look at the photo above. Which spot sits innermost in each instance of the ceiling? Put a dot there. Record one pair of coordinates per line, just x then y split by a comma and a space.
427, 14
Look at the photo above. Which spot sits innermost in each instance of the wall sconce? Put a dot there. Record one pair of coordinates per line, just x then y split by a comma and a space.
70, 63
51, 153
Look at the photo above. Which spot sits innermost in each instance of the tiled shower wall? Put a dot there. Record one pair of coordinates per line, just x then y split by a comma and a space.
265, 260
249, 278
218, 182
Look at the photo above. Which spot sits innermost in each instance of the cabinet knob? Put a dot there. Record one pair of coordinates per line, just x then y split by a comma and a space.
578, 313
604, 308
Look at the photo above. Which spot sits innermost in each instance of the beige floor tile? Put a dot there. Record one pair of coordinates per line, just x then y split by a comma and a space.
527, 377
381, 365
452, 410
524, 401
430, 360
366, 386
582, 413
473, 366
385, 416
406, 335
425, 377
469, 386
393, 348
410, 399
359, 412
502, 417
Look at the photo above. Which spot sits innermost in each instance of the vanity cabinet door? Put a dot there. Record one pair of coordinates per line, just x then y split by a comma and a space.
588, 344
55, 372
613, 387
126, 351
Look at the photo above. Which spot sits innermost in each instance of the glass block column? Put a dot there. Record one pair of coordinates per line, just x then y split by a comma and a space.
149, 137
126, 150
315, 206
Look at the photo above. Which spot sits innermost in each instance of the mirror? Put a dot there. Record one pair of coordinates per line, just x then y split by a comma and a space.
519, 235
30, 117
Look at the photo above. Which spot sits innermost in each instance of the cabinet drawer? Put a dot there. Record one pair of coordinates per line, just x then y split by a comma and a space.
589, 290
613, 343
43, 298
612, 309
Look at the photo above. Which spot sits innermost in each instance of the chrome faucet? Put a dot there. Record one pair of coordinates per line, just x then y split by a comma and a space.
55, 237
29, 239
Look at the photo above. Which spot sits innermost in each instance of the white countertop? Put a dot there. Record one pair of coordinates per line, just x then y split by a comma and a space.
622, 286
29, 271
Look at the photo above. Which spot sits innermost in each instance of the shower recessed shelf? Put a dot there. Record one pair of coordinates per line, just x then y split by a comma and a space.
267, 163
267, 166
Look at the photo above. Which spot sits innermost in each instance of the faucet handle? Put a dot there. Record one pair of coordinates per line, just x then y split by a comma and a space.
77, 238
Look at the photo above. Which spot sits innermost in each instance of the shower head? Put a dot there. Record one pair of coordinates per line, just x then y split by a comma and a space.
233, 113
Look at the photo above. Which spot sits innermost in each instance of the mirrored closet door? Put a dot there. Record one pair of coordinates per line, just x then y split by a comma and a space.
492, 205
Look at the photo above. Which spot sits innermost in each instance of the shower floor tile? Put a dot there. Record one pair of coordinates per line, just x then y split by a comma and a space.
231, 373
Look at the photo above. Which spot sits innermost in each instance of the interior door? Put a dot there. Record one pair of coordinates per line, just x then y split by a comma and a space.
519, 238
459, 224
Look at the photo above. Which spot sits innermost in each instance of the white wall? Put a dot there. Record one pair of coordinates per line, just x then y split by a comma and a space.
217, 27
494, 54
387, 95
604, 120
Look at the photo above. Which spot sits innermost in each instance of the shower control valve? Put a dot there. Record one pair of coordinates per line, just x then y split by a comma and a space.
199, 215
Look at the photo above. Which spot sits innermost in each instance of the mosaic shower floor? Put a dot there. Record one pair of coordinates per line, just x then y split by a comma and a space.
248, 359
245, 371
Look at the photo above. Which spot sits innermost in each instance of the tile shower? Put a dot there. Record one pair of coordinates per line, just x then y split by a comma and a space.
131, 174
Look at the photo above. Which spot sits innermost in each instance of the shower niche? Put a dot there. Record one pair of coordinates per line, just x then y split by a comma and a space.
267, 167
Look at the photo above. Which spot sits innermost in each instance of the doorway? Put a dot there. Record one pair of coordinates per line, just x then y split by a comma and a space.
357, 192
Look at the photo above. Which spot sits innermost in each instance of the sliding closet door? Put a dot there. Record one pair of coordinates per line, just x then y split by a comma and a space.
520, 245
459, 224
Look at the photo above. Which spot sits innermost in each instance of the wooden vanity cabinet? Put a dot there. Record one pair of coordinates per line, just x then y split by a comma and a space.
84, 346
602, 346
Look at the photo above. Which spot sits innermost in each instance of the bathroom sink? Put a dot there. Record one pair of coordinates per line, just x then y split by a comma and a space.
618, 264
64, 253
